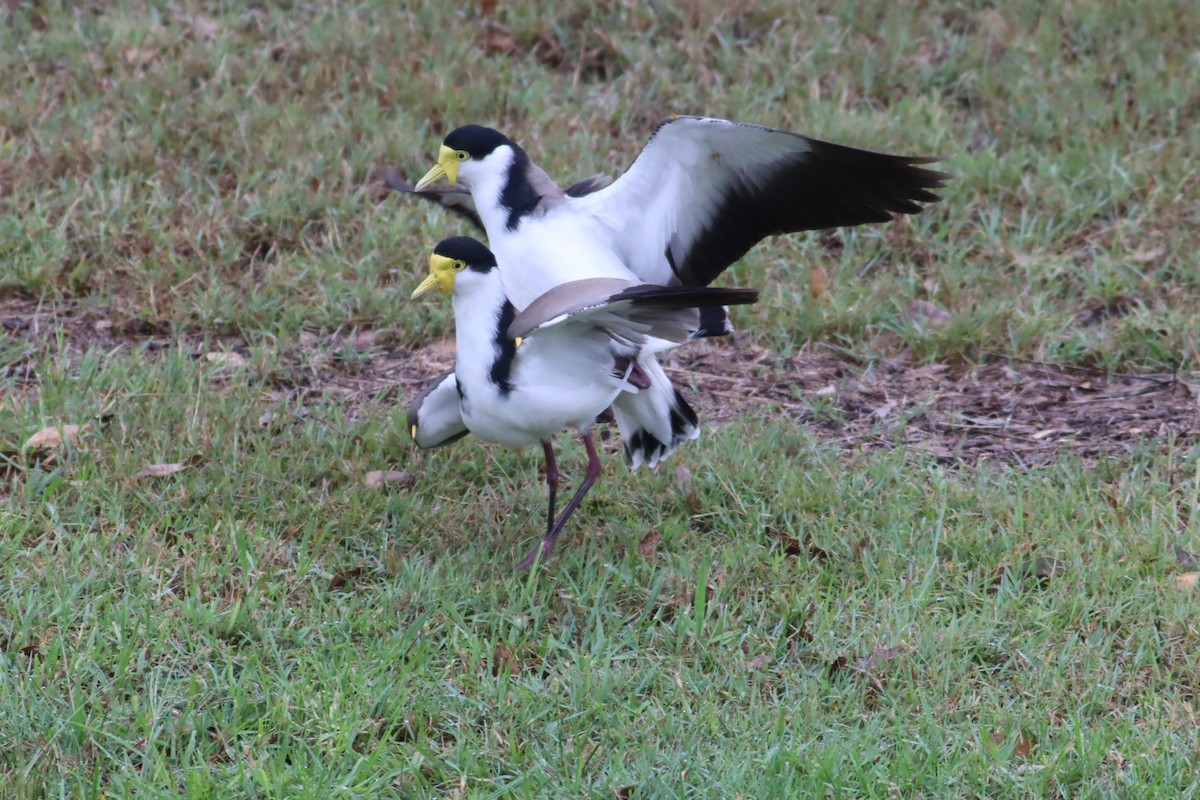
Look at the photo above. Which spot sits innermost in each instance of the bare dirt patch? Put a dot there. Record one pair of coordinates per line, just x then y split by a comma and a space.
1008, 410
1005, 410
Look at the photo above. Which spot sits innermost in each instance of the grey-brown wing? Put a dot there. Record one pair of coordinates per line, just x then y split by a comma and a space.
455, 199
666, 312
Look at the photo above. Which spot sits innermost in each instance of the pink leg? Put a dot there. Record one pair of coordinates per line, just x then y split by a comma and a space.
593, 472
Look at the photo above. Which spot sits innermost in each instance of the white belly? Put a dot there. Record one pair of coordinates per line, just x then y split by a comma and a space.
560, 381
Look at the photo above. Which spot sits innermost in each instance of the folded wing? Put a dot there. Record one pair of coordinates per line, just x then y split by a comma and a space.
632, 311
435, 416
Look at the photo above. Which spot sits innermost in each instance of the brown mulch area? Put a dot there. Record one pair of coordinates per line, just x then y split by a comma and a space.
1007, 410
1004, 410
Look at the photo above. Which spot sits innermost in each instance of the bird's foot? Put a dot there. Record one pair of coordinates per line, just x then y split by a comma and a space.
539, 553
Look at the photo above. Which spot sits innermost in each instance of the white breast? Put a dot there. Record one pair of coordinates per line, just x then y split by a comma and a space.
547, 250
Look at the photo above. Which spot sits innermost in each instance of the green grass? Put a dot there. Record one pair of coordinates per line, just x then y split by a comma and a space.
188, 178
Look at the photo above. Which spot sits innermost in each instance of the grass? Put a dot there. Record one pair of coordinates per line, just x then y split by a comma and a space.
186, 179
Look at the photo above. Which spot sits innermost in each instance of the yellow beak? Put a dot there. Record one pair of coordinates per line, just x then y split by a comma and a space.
441, 275
446, 167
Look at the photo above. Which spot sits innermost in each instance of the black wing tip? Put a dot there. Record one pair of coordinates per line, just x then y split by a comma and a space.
393, 179
454, 199
686, 296
906, 175
588, 185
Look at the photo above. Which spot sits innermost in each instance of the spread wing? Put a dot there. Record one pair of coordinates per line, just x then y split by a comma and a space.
704, 191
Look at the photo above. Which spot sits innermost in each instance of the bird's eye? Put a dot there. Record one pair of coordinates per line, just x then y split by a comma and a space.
461, 155
459, 266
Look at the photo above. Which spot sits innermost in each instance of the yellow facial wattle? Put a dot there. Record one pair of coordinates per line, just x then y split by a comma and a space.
446, 167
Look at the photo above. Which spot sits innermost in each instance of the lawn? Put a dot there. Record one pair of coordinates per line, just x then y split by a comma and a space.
936, 539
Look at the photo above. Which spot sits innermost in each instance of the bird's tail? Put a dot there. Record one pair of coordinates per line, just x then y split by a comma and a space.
714, 321
654, 421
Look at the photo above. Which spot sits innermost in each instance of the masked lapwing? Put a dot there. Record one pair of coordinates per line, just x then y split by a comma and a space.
522, 377
700, 194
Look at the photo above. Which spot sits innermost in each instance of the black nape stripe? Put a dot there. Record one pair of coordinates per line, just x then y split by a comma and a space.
518, 195
501, 372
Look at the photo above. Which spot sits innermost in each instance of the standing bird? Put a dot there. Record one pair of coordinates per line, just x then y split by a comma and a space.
523, 377
700, 194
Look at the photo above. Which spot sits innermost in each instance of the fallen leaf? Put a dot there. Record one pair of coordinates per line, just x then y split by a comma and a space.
922, 314
1115, 307
759, 661
648, 546
818, 282
159, 470
138, 56
859, 547
230, 359
799, 634
504, 660
55, 437
498, 40
837, 665
794, 547
884, 410
683, 477
205, 26
488, 7
1187, 580
996, 34
791, 546
626, 792
1186, 560
548, 51
379, 477
1042, 569
1148, 254
340, 579
864, 664
874, 658
1023, 747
